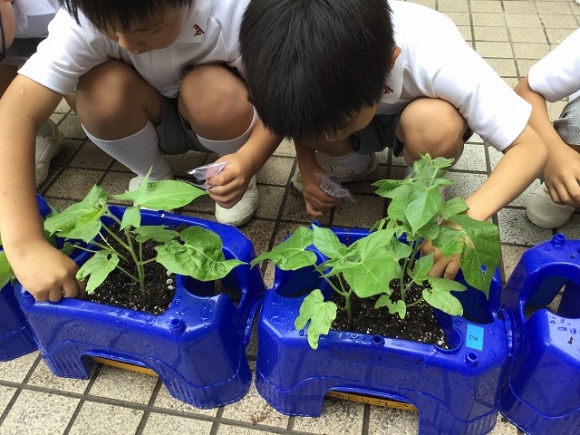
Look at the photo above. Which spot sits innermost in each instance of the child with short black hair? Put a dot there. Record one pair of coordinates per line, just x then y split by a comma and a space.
347, 78
146, 78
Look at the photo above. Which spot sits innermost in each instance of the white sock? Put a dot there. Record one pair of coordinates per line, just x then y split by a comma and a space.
225, 147
354, 162
139, 152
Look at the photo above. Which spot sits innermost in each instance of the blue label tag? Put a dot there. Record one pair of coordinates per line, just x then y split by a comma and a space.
474, 337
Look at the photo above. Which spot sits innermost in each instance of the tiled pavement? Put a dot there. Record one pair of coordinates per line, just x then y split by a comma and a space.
510, 34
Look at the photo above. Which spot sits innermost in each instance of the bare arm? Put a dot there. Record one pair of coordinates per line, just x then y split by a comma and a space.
522, 162
42, 269
562, 172
316, 201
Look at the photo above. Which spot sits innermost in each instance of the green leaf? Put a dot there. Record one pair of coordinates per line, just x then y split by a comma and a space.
291, 254
392, 188
97, 268
484, 250
452, 207
6, 273
131, 218
397, 307
327, 243
159, 233
199, 256
321, 314
439, 295
162, 194
371, 267
82, 220
422, 267
398, 250
422, 208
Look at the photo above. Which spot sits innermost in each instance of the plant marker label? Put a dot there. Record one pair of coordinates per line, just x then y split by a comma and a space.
474, 337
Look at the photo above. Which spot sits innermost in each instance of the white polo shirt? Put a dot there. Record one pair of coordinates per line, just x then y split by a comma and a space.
436, 62
557, 75
209, 35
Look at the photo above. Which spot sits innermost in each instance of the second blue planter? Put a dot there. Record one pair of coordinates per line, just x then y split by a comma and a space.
456, 391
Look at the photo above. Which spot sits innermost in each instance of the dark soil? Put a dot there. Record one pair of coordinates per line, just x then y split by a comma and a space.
121, 291
419, 324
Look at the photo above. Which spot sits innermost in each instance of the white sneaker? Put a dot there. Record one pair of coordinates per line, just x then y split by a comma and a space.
344, 175
243, 211
49, 142
544, 212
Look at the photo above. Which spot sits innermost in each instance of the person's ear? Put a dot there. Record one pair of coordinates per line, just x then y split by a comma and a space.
394, 56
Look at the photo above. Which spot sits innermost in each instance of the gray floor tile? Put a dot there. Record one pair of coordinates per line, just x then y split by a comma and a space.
17, 369
389, 421
167, 401
255, 410
122, 384
6, 395
43, 377
103, 419
172, 424
514, 227
342, 416
29, 417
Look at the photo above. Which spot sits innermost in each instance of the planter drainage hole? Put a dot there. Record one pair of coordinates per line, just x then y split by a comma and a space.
377, 340
471, 359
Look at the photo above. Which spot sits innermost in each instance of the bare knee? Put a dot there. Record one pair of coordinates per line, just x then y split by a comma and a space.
431, 126
112, 97
215, 102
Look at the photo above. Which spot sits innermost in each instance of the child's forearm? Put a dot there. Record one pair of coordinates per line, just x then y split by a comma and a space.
539, 119
522, 163
19, 219
259, 148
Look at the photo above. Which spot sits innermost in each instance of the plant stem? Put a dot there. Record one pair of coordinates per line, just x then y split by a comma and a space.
346, 294
138, 263
418, 301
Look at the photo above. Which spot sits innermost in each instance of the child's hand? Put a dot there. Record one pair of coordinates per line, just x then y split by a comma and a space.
562, 176
442, 266
46, 272
231, 183
317, 202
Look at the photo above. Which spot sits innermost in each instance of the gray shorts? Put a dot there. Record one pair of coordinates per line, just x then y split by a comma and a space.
175, 135
568, 125
381, 134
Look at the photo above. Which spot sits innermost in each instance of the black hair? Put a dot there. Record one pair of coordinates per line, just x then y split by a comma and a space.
312, 64
118, 15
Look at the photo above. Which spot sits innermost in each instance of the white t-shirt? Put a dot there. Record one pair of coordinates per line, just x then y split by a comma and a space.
33, 17
209, 35
557, 75
436, 62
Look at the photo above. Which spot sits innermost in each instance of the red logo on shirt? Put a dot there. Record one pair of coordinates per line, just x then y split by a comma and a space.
198, 30
387, 90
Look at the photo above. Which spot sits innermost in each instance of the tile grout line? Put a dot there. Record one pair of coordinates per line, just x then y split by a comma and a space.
19, 389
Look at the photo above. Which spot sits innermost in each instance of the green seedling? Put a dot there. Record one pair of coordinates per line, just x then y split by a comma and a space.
194, 251
386, 263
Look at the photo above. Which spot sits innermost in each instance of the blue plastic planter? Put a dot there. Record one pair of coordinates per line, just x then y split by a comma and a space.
15, 335
456, 391
541, 392
197, 347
